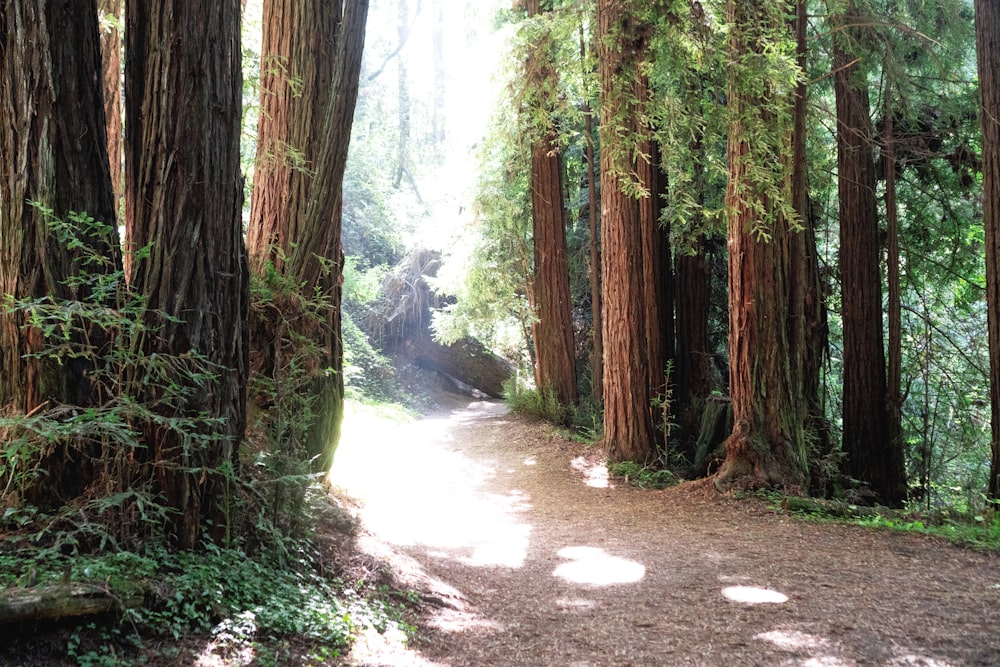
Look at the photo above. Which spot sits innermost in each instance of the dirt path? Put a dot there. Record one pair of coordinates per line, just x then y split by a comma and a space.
529, 557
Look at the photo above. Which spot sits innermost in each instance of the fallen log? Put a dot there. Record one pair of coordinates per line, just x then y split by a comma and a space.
71, 600
466, 359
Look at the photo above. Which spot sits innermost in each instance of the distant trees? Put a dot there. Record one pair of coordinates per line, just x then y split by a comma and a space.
873, 455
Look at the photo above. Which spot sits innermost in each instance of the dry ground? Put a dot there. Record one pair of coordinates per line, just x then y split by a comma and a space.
526, 554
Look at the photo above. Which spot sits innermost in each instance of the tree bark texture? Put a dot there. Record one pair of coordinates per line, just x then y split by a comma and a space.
629, 434
555, 349
871, 457
768, 444
988, 56
52, 151
184, 195
311, 61
111, 58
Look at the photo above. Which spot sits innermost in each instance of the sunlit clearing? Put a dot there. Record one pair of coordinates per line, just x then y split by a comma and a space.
590, 565
417, 488
594, 474
752, 595
792, 639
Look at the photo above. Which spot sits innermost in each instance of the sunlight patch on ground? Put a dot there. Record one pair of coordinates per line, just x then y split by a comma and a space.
453, 620
792, 639
907, 659
590, 565
754, 595
387, 649
575, 604
416, 487
594, 474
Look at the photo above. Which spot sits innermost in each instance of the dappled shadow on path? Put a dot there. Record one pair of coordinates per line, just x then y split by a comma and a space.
528, 556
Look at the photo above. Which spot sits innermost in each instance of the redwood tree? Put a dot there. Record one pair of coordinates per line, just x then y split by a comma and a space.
184, 195
873, 456
555, 357
629, 432
111, 57
53, 152
768, 445
988, 50
311, 60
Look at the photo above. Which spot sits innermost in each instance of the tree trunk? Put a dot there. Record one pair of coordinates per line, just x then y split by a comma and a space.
53, 151
894, 367
111, 57
597, 353
307, 108
693, 357
693, 360
555, 350
657, 292
988, 49
807, 326
184, 196
871, 457
768, 444
629, 434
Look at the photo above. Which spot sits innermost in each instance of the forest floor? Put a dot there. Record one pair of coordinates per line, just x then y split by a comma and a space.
525, 553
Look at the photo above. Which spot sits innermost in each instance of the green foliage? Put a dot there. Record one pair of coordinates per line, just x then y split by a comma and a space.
642, 476
977, 530
540, 402
104, 330
236, 597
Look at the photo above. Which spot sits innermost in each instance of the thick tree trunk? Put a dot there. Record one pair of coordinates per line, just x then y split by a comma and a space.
988, 49
555, 350
307, 108
768, 444
52, 151
184, 195
629, 434
111, 58
871, 456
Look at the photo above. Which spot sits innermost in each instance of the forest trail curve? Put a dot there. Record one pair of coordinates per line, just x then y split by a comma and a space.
529, 555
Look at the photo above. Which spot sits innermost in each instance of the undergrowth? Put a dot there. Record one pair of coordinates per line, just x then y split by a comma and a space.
974, 530
259, 583
642, 476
